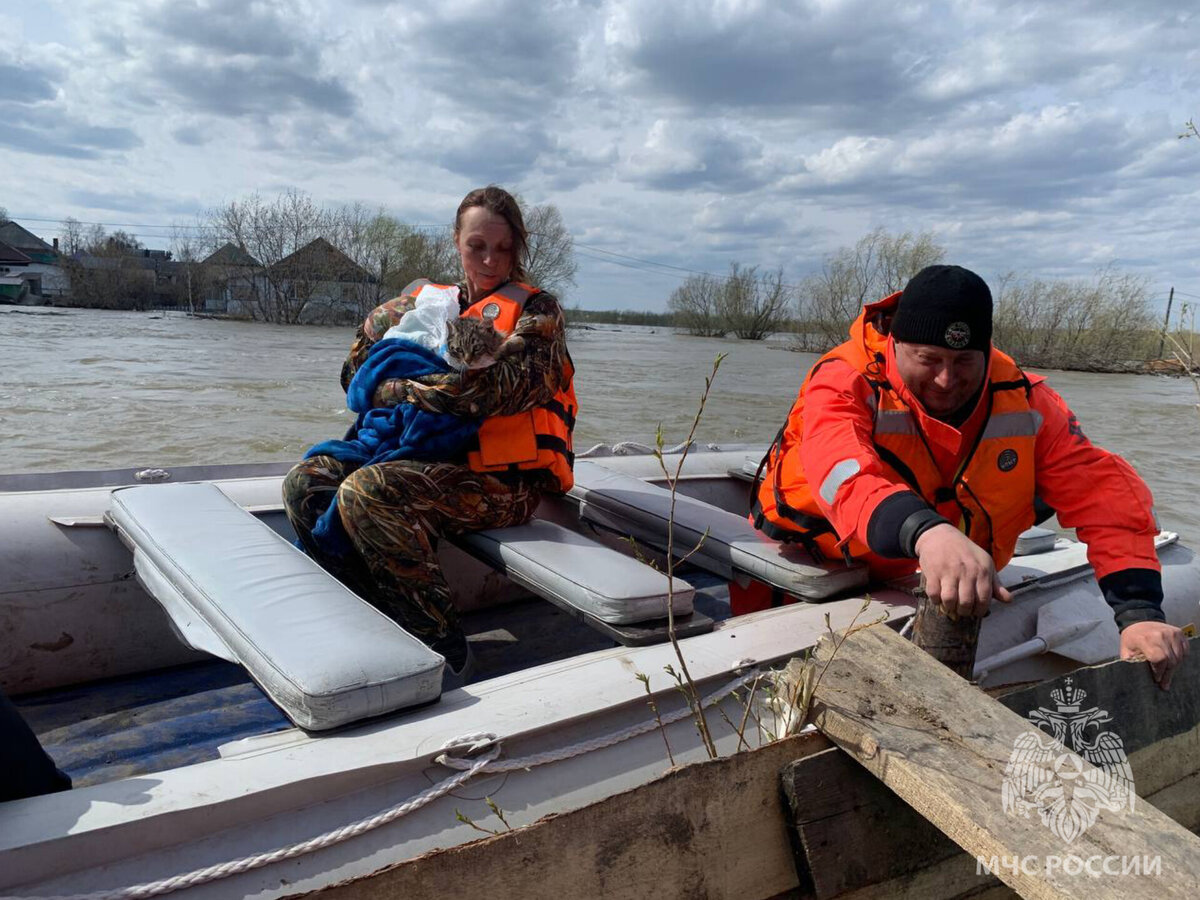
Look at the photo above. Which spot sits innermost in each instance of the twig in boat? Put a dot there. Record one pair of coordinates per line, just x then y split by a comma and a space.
691, 693
496, 811
645, 680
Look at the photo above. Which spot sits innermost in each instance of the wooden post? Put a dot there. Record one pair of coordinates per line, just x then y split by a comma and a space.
952, 641
1162, 341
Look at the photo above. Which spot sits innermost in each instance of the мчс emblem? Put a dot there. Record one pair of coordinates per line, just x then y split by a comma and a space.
1007, 460
958, 335
1046, 774
490, 311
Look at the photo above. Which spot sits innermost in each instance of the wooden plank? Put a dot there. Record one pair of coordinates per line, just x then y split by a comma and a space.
852, 830
712, 830
944, 747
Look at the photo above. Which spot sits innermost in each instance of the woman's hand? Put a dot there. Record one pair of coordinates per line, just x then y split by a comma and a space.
1163, 646
959, 574
391, 392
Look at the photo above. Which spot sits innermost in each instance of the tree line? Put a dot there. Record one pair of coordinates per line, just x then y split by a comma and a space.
1102, 324
289, 259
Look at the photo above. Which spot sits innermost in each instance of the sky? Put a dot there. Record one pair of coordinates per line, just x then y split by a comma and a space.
1034, 138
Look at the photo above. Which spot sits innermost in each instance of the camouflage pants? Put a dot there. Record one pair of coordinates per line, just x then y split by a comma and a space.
394, 513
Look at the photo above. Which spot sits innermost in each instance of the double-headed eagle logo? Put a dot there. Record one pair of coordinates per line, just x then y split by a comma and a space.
1045, 773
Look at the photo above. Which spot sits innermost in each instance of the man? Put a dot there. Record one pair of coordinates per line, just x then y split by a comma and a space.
917, 444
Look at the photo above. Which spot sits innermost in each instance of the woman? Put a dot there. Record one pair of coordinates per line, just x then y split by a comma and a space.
394, 512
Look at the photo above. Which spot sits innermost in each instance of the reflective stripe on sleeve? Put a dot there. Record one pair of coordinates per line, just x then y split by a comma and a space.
838, 476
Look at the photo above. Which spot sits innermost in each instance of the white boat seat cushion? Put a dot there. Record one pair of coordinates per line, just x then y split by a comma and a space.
575, 572
733, 546
323, 654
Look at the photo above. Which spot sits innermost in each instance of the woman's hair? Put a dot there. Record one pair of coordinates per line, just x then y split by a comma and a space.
500, 202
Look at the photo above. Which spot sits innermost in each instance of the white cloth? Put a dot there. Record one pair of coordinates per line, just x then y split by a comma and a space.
425, 324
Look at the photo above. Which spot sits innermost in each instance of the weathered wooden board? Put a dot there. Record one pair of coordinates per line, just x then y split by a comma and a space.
944, 749
854, 832
712, 830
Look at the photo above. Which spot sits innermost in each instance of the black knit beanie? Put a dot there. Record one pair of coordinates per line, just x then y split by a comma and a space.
946, 306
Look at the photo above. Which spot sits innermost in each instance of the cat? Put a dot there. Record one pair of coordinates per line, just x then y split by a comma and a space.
473, 343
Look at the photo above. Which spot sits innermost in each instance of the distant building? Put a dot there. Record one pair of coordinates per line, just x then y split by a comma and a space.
231, 281
321, 283
317, 283
43, 277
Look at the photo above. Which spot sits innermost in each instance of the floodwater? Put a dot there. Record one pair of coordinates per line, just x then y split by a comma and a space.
89, 389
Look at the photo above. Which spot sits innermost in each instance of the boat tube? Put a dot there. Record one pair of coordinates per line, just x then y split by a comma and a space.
238, 726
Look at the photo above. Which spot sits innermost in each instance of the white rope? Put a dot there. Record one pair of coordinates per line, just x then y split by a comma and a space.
469, 768
597, 743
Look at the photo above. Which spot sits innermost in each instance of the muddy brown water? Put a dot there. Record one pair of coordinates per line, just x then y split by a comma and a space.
88, 389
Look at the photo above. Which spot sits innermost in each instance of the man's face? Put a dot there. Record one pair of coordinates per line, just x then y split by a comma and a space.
942, 379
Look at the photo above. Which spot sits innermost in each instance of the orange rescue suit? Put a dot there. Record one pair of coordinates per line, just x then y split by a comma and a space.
539, 438
988, 491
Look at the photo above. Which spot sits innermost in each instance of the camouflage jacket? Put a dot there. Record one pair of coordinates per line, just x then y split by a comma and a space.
511, 385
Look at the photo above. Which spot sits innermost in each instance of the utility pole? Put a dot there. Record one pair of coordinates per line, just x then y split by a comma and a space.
1162, 341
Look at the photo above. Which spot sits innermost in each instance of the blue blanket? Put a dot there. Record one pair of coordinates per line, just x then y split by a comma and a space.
386, 434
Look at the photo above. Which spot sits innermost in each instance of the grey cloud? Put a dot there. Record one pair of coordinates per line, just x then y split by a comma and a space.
24, 85
192, 135
683, 156
507, 58
132, 202
53, 132
508, 158
228, 27
874, 68
240, 87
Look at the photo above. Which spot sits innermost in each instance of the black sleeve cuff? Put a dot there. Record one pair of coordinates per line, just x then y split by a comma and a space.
896, 524
1135, 595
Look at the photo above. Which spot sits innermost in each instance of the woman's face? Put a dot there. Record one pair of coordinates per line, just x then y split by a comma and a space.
485, 246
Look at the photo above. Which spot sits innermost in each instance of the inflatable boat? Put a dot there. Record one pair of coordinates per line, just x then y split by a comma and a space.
239, 724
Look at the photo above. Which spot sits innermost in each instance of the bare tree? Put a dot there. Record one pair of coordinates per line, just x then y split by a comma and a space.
70, 235
272, 232
877, 265
421, 254
191, 245
695, 305
1100, 325
753, 307
550, 263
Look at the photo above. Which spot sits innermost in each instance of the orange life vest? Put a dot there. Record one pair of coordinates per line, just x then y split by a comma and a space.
991, 495
539, 438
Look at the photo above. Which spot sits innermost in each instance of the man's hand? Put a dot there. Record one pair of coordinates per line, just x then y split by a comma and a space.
958, 573
1163, 646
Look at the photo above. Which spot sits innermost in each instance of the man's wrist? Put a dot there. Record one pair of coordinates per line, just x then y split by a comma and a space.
1135, 595
896, 524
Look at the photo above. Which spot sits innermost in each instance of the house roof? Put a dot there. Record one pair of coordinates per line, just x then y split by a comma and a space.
11, 256
230, 255
321, 260
15, 236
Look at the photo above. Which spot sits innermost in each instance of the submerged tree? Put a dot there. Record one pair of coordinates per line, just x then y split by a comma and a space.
695, 306
877, 265
753, 307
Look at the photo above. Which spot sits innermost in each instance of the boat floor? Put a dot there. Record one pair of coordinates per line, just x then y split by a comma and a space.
153, 721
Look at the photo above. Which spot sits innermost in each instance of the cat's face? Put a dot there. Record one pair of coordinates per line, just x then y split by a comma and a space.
473, 342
